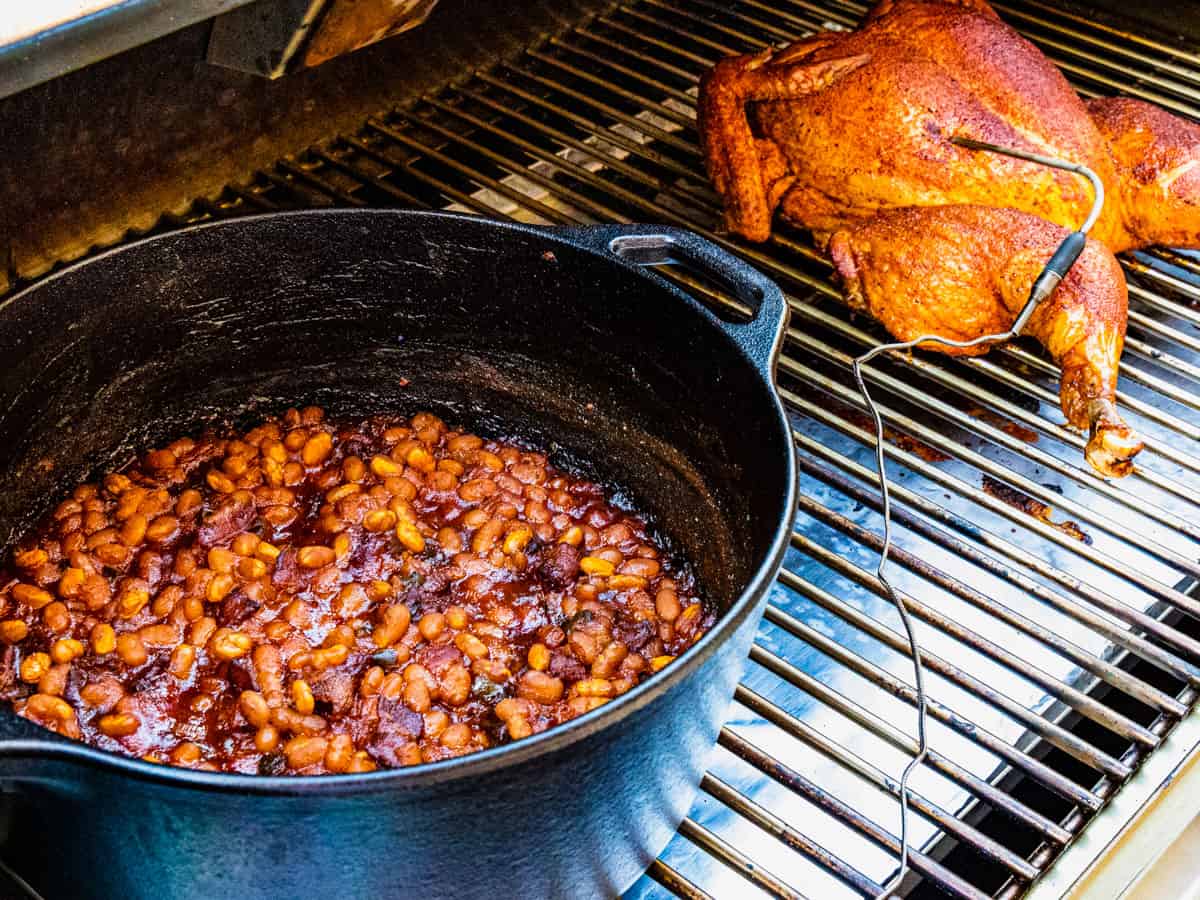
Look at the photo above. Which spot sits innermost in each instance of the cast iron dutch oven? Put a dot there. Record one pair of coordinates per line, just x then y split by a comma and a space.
563, 338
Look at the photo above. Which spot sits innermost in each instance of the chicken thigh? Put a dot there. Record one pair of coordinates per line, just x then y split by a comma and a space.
963, 271
839, 128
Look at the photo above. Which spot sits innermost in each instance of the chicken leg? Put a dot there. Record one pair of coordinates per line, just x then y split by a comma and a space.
965, 271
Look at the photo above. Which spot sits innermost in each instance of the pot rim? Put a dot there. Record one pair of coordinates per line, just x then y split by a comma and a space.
493, 758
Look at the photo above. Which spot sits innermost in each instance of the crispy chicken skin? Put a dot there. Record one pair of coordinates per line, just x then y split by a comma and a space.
1157, 156
839, 129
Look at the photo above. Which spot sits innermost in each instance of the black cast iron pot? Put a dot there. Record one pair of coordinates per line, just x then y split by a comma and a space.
558, 337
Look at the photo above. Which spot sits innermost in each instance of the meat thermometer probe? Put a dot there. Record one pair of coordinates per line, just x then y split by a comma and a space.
1052, 274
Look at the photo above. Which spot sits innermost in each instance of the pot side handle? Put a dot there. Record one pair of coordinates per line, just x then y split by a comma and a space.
655, 245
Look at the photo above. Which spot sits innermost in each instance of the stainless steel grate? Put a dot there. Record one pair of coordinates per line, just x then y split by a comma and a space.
1061, 634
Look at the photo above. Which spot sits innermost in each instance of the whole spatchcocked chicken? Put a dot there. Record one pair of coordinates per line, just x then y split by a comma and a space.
849, 134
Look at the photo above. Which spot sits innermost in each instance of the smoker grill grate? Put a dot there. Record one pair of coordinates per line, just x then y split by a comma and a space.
1056, 610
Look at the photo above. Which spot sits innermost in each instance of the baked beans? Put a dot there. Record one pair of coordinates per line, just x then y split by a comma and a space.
319, 597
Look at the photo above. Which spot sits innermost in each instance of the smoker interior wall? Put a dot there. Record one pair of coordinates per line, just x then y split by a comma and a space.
1179, 18
89, 155
110, 147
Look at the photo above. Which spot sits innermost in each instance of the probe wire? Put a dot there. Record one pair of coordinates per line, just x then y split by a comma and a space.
1043, 286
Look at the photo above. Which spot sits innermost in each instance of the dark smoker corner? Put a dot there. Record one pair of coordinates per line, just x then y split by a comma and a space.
85, 157
1177, 19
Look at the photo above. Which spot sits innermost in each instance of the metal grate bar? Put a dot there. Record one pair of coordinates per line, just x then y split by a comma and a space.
1106, 602
311, 179
998, 435
1054, 734
667, 138
931, 437
1081, 702
795, 727
640, 35
897, 688
1159, 48
742, 864
675, 883
796, 782
1110, 673
662, 110
1156, 301
1120, 637
683, 191
914, 463
598, 59
761, 25
869, 773
1107, 49
777, 828
650, 154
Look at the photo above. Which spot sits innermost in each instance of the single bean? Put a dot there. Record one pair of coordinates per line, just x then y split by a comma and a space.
540, 687
186, 753
103, 694
13, 631
226, 644
266, 739
182, 659
64, 650
432, 625
57, 617
595, 565
384, 467
131, 649
485, 538
455, 685
117, 725
31, 595
314, 557
394, 621
339, 753
302, 697
409, 537
159, 635
34, 666
305, 751
54, 682
162, 529
667, 605
316, 449
592, 687
456, 736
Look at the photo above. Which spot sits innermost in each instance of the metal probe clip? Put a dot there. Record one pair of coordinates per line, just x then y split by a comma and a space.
1051, 275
